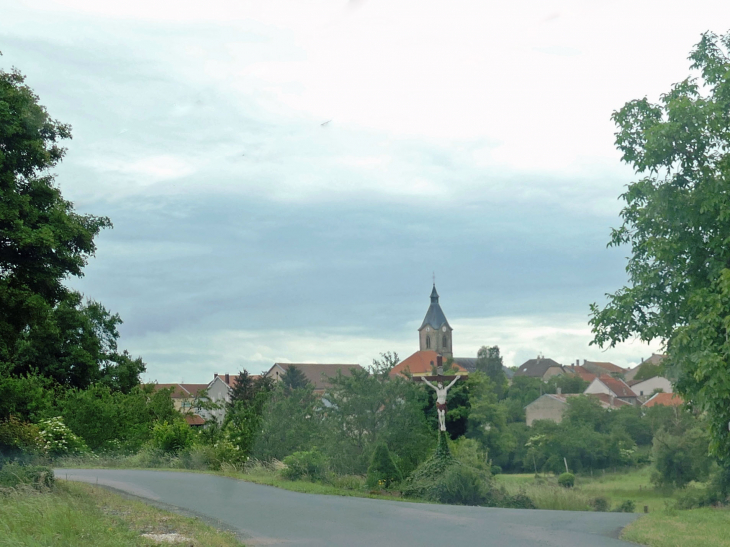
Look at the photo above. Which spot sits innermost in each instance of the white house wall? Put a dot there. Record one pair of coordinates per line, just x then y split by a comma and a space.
647, 387
596, 386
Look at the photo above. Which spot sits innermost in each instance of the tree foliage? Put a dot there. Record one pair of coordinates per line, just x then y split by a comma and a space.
676, 221
42, 239
362, 410
44, 326
489, 361
294, 378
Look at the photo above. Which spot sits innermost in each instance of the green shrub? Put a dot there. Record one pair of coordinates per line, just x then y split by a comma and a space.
37, 476
310, 465
680, 459
383, 472
520, 500
172, 437
627, 506
495, 469
600, 503
462, 485
17, 436
58, 440
566, 480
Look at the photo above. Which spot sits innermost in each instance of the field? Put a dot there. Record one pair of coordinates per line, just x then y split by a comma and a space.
616, 488
76, 514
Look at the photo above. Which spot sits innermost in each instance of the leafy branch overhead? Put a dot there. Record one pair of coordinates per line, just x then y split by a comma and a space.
676, 221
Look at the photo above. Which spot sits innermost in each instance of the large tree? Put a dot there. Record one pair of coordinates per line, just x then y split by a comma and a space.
44, 326
676, 221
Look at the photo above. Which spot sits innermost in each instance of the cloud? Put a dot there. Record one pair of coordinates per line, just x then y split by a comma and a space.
467, 139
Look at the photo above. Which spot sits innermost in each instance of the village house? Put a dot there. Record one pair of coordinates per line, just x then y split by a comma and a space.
645, 388
540, 367
655, 359
551, 406
316, 374
599, 368
613, 387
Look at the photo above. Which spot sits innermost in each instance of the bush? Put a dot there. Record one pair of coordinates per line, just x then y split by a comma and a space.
383, 472
521, 500
680, 459
600, 503
17, 437
627, 506
37, 476
58, 440
311, 465
495, 469
172, 437
566, 480
462, 485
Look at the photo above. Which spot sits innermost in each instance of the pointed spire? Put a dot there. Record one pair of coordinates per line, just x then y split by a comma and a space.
434, 295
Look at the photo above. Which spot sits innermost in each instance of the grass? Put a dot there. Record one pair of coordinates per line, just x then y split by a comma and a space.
694, 528
614, 487
75, 514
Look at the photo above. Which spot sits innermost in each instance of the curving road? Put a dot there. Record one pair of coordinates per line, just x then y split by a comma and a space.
264, 515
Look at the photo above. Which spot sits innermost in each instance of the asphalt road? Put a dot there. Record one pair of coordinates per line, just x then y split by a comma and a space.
264, 515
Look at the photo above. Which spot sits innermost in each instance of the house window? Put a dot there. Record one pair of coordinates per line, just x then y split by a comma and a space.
428, 342
445, 342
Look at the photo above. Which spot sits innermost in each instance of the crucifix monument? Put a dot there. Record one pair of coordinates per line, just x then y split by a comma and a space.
441, 391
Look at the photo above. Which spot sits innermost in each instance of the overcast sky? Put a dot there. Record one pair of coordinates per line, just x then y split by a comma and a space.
285, 177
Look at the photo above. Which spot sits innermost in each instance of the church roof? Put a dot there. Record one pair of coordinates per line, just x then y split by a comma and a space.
420, 363
435, 315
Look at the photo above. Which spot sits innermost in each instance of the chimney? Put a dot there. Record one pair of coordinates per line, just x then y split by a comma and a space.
558, 391
585, 361
577, 362
228, 379
642, 359
215, 375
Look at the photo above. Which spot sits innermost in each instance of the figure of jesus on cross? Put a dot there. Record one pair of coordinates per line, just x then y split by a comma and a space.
441, 392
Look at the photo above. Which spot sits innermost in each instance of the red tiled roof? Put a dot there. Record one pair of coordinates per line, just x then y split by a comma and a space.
619, 387
583, 373
665, 399
608, 367
418, 363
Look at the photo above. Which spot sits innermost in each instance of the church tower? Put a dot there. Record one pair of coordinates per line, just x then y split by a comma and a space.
435, 332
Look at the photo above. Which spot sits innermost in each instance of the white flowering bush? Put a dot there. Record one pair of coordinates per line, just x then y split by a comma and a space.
58, 439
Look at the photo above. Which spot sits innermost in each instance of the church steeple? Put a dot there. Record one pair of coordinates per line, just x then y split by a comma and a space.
435, 331
434, 295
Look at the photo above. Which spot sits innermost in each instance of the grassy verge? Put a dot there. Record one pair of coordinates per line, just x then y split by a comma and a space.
694, 528
75, 514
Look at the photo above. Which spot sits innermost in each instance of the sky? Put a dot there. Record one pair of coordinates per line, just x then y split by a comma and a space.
285, 178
